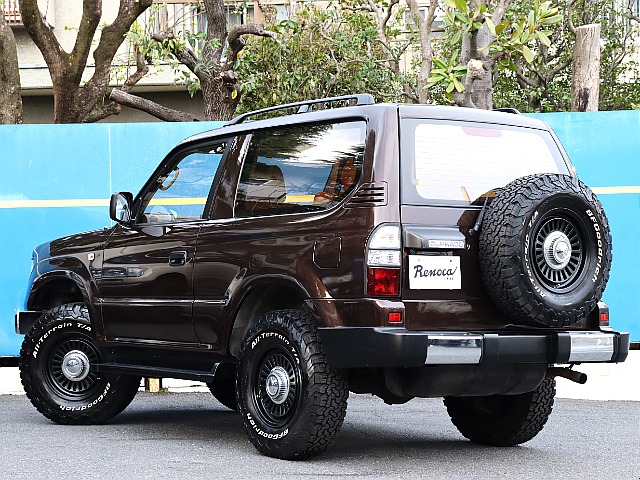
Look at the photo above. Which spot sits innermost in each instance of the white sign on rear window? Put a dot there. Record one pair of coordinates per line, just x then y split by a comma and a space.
462, 163
429, 272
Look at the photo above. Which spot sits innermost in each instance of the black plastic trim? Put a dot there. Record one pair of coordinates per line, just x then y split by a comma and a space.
156, 372
25, 320
377, 347
9, 361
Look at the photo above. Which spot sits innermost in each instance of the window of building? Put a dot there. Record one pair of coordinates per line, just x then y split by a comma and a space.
11, 11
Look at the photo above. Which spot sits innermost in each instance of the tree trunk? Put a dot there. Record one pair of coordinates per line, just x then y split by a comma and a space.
10, 100
218, 104
585, 82
73, 103
426, 48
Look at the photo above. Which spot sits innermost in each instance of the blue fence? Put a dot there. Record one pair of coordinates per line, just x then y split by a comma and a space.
58, 178
605, 149
57, 181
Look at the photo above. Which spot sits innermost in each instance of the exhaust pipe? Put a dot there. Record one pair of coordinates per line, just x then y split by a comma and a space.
567, 373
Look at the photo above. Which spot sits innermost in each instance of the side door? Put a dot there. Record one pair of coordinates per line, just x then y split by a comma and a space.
146, 284
274, 206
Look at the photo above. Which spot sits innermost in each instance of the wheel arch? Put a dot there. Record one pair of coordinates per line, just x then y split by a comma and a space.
274, 293
56, 288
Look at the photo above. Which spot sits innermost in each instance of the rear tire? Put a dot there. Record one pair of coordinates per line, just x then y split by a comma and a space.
503, 420
57, 369
292, 403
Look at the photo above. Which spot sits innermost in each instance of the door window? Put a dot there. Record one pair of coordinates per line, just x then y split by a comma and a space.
300, 169
180, 192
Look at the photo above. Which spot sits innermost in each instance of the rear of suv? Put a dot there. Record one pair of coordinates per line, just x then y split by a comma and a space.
400, 250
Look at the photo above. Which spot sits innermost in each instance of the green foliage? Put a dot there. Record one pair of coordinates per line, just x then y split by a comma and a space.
514, 37
322, 53
550, 85
163, 54
449, 75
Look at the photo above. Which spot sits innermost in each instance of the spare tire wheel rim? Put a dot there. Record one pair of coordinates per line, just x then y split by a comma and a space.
557, 251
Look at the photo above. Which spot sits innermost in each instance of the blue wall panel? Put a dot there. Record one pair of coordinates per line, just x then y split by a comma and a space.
605, 149
63, 163
89, 162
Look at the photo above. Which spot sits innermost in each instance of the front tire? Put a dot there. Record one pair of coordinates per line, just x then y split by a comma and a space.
503, 420
57, 369
292, 403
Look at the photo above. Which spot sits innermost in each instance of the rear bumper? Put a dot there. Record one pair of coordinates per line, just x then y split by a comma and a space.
373, 347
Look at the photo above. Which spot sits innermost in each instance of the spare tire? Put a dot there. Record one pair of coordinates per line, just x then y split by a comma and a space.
545, 250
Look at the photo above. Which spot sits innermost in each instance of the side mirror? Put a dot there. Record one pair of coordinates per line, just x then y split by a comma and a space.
120, 207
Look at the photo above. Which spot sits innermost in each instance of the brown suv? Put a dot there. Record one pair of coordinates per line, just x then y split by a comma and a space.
400, 250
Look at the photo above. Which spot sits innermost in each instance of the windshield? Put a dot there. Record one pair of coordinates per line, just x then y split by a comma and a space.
459, 163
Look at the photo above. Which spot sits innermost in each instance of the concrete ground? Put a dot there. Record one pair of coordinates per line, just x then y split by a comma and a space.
605, 382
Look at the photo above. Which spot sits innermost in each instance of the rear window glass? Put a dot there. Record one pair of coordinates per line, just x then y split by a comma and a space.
460, 163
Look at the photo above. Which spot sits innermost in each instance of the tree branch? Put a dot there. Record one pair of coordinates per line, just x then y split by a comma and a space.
237, 43
91, 13
498, 13
113, 108
387, 15
42, 35
570, 24
185, 55
426, 49
150, 107
111, 38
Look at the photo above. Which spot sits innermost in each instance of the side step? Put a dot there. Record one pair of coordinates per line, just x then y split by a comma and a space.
157, 372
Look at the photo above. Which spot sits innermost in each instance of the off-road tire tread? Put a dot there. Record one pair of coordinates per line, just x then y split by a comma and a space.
529, 413
500, 251
123, 387
327, 392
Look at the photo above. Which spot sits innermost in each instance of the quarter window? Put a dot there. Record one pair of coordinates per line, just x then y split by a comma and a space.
300, 169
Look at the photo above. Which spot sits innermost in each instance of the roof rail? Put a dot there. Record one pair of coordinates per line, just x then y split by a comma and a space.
508, 110
304, 107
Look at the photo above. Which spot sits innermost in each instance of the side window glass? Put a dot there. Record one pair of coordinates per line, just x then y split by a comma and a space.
180, 192
300, 169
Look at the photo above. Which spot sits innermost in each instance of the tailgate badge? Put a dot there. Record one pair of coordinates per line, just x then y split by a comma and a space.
446, 244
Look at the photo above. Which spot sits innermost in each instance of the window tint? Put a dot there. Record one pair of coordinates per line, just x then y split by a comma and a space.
298, 169
180, 192
461, 163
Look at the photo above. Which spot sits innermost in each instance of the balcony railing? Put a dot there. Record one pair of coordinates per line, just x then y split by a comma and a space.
11, 11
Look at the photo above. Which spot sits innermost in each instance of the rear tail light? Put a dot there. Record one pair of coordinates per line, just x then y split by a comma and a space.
384, 258
383, 281
603, 314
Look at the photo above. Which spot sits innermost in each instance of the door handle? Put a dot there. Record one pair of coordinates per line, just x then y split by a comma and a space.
177, 259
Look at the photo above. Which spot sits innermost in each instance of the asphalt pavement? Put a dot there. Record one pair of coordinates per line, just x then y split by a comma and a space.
190, 435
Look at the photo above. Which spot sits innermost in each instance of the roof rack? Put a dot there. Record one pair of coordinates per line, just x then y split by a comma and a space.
304, 107
508, 110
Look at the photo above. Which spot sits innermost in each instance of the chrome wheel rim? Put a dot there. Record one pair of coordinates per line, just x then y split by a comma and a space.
558, 253
69, 371
277, 392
